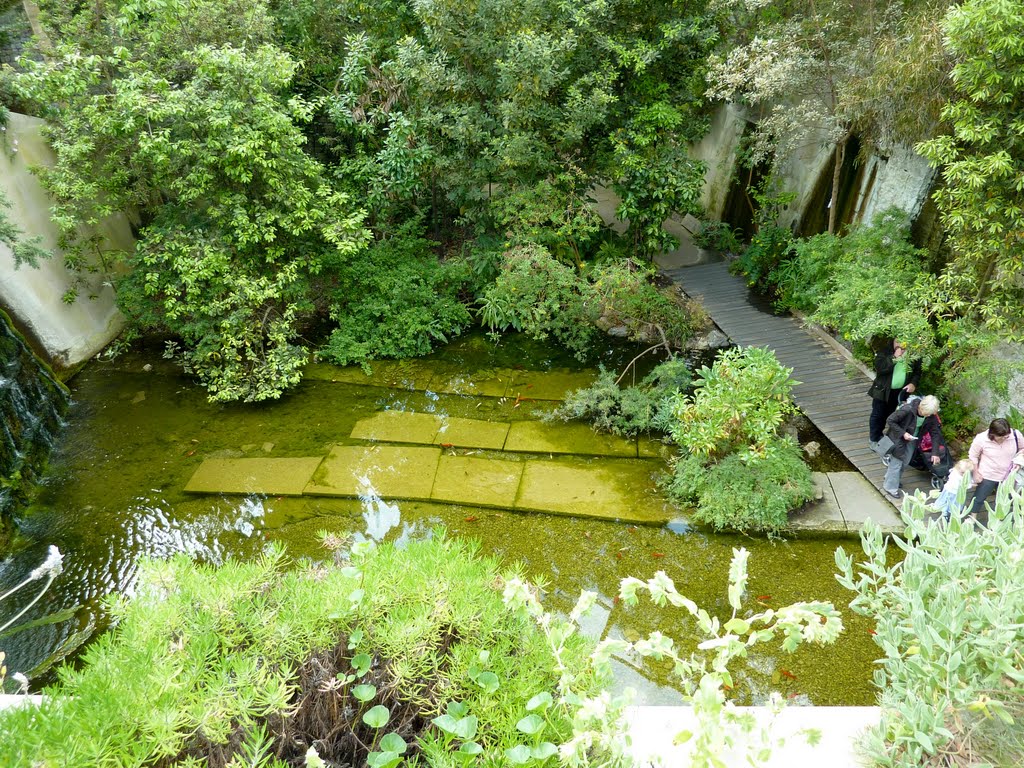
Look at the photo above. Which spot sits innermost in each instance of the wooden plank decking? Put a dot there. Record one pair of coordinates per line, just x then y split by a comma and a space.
832, 393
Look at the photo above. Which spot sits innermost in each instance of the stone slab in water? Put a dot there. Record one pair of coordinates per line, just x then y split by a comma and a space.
273, 477
847, 500
538, 437
399, 374
612, 490
398, 427
648, 448
392, 472
477, 482
471, 433
859, 500
487, 383
547, 385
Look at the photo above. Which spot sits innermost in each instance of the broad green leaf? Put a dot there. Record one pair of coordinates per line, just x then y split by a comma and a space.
392, 742
519, 755
531, 724
377, 717
364, 692
488, 681
541, 701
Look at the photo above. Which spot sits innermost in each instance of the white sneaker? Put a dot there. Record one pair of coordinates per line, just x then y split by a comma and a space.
873, 445
886, 460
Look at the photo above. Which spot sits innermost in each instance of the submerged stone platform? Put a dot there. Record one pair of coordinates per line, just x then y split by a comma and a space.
492, 382
606, 488
514, 437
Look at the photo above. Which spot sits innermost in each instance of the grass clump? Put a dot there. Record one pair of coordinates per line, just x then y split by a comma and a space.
404, 656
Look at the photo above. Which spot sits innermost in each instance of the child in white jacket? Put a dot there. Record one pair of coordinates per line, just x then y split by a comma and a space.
946, 502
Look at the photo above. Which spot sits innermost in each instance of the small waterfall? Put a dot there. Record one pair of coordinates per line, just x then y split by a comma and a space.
32, 403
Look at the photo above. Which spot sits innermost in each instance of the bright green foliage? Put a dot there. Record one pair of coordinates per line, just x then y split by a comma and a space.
394, 300
871, 283
645, 407
541, 297
755, 495
206, 662
501, 115
25, 250
948, 623
982, 162
735, 467
724, 736
738, 405
630, 299
654, 177
191, 124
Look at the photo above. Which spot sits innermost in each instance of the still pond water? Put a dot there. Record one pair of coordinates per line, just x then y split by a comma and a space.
113, 494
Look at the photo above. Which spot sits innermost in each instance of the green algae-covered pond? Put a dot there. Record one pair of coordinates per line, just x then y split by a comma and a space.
138, 431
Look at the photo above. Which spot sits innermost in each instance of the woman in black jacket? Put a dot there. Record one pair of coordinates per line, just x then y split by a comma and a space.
893, 374
905, 427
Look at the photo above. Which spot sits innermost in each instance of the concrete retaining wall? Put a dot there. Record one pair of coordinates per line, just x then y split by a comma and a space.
65, 334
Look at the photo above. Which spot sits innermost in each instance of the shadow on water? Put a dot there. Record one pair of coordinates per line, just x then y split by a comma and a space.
113, 494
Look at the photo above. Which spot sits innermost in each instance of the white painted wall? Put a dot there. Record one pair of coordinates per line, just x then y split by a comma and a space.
67, 333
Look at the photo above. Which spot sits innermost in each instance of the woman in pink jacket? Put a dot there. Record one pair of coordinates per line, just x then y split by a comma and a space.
992, 453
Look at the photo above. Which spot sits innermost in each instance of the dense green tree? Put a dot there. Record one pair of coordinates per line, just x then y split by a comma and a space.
180, 112
982, 163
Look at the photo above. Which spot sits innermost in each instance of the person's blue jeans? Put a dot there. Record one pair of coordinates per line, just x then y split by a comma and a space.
983, 491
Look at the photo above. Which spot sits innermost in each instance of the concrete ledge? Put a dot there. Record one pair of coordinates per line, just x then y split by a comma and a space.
653, 730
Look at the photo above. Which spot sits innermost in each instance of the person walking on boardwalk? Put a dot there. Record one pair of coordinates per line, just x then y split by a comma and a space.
893, 373
905, 426
993, 452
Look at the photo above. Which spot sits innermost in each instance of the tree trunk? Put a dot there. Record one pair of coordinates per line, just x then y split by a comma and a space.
32, 12
833, 205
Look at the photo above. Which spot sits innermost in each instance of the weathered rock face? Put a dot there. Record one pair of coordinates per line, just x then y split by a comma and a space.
32, 404
65, 334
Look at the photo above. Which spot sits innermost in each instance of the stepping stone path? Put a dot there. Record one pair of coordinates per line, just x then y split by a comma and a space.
563, 469
493, 382
614, 485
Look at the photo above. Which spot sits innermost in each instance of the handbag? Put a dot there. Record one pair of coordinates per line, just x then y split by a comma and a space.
884, 446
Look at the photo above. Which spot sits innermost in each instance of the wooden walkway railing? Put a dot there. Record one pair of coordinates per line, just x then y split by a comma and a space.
832, 392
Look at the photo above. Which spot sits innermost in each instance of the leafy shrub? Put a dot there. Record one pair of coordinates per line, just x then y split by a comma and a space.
735, 468
540, 296
738, 405
629, 298
746, 494
718, 236
395, 300
768, 248
628, 411
871, 283
948, 621
251, 664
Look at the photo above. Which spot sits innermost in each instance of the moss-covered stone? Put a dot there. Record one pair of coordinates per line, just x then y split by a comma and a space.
398, 427
273, 477
472, 433
393, 472
613, 490
477, 482
579, 439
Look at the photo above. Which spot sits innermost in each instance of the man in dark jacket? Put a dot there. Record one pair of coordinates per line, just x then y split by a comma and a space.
893, 374
905, 426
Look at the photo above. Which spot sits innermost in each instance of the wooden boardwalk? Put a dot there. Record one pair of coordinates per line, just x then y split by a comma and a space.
832, 392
